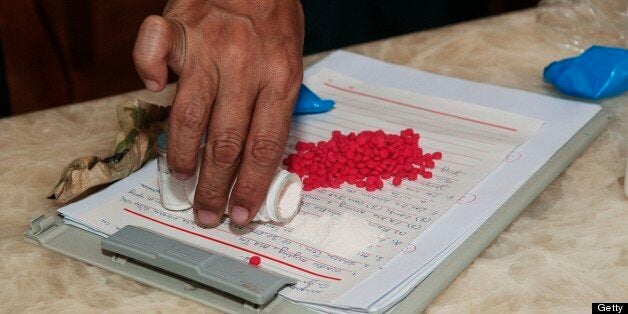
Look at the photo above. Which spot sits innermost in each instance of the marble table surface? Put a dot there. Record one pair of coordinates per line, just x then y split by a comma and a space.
566, 250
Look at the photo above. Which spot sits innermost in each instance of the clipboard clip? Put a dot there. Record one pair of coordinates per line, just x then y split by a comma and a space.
38, 227
251, 283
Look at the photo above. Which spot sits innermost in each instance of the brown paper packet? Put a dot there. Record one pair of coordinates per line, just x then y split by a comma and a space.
140, 124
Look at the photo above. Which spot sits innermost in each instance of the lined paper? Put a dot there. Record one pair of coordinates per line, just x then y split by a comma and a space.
472, 138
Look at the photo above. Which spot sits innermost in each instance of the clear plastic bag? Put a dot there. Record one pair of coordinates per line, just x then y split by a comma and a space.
579, 24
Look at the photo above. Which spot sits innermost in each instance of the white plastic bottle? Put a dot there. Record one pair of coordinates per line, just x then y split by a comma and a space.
171, 191
282, 203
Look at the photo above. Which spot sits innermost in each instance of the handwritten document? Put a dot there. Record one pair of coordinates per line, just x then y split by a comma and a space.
340, 236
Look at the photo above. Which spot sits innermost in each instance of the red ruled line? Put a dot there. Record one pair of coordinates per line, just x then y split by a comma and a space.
231, 245
419, 108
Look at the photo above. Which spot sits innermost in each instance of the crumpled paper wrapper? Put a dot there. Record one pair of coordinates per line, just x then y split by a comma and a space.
140, 124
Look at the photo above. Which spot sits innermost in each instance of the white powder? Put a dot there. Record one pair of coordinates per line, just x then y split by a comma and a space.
290, 199
340, 235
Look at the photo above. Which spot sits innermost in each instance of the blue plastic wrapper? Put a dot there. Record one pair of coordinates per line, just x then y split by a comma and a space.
597, 73
308, 102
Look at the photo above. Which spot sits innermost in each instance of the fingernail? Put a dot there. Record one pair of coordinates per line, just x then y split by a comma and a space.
206, 217
239, 215
151, 85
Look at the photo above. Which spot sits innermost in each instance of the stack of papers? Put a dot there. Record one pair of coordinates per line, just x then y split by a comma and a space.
353, 250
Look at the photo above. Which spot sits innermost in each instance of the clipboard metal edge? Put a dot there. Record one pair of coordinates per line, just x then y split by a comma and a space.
53, 233
421, 296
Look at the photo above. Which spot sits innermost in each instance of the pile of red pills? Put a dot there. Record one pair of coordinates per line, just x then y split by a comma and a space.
364, 160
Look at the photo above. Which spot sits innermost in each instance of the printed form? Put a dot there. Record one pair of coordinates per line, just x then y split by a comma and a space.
340, 236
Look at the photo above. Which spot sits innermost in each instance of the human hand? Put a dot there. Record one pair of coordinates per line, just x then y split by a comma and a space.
240, 68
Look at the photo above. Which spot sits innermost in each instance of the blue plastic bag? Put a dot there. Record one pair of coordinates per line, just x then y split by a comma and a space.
308, 102
597, 73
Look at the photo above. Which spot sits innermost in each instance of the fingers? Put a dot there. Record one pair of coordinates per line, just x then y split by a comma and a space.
265, 143
188, 120
226, 135
159, 43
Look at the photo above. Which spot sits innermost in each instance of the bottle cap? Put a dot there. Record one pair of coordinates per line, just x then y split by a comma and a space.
162, 141
283, 199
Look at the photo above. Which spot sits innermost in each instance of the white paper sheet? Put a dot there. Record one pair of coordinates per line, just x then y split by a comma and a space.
473, 139
562, 119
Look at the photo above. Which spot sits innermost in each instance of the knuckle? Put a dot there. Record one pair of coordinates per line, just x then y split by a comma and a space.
286, 77
236, 50
282, 68
191, 117
266, 150
211, 197
226, 149
238, 55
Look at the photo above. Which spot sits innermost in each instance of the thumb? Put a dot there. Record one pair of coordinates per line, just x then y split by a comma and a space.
158, 45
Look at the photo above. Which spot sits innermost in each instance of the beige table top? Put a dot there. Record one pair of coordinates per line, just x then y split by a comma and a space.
569, 248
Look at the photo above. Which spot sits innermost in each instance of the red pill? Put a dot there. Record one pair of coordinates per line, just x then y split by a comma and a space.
255, 260
379, 184
301, 146
361, 140
397, 180
412, 176
351, 179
